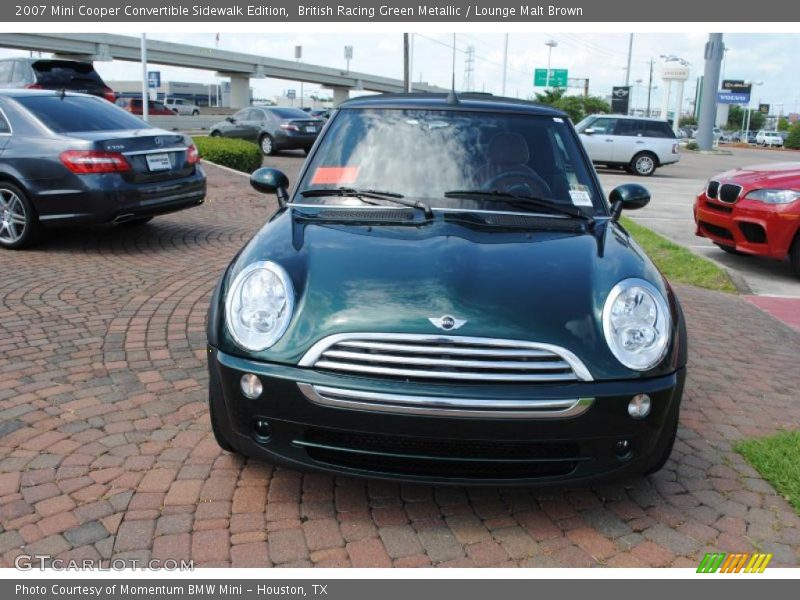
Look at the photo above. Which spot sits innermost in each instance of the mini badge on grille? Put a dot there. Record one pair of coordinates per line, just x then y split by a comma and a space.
447, 322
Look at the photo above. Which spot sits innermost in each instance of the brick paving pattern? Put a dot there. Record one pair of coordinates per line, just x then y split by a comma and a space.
105, 447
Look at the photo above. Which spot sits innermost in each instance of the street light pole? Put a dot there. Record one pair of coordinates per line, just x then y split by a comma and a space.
145, 82
505, 64
550, 45
406, 63
628, 68
298, 54
649, 87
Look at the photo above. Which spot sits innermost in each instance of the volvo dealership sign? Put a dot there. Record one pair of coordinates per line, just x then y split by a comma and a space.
734, 91
724, 97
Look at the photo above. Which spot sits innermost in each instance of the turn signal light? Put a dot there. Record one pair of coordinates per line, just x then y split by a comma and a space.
85, 162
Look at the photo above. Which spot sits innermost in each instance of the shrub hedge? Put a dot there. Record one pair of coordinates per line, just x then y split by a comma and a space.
793, 139
228, 152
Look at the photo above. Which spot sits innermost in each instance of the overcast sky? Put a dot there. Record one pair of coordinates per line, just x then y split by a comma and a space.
769, 58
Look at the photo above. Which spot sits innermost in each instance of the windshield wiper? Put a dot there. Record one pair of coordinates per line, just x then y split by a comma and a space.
361, 194
524, 201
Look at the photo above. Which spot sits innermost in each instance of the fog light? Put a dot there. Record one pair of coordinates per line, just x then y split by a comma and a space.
251, 386
262, 429
622, 449
639, 406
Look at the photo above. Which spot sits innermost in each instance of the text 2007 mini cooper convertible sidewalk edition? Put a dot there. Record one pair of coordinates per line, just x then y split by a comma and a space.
447, 297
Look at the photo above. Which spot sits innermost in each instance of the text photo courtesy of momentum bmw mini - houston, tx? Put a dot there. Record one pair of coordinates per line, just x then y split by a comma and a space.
427, 299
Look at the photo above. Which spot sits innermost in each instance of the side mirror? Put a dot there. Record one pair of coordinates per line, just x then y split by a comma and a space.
628, 196
230, 119
588, 131
271, 181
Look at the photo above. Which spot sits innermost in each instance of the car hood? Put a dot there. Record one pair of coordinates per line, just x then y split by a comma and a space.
775, 175
539, 286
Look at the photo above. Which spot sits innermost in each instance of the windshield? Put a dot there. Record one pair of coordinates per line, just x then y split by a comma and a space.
425, 154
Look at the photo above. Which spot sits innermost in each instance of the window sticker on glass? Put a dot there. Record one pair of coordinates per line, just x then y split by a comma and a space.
335, 176
580, 195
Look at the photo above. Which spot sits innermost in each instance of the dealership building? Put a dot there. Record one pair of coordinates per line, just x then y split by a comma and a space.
202, 94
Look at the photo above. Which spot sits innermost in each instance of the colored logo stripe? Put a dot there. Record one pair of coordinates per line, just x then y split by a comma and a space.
734, 563
711, 562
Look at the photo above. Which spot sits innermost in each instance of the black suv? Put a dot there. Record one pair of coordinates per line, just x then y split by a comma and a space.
53, 74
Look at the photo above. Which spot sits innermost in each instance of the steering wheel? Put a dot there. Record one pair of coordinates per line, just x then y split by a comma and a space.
509, 180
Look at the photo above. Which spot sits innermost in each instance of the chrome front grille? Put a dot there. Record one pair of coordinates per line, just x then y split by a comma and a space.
429, 358
712, 189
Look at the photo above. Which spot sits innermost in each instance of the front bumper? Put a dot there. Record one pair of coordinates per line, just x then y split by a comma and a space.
304, 434
106, 198
749, 226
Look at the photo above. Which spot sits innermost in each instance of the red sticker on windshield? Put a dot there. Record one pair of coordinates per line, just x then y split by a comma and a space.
334, 175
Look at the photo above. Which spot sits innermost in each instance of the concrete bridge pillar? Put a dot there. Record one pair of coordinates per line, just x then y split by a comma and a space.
240, 91
340, 94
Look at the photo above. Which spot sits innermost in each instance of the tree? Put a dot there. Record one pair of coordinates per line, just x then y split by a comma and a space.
687, 122
577, 107
737, 116
793, 139
757, 120
783, 124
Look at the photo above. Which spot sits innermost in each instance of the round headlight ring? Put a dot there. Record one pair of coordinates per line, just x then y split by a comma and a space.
663, 323
263, 341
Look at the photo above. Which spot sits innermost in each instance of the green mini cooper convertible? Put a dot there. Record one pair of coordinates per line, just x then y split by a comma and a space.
447, 297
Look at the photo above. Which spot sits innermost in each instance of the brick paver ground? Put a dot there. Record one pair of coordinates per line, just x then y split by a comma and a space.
105, 448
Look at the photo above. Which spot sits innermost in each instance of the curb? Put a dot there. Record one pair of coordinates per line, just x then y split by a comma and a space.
738, 281
224, 168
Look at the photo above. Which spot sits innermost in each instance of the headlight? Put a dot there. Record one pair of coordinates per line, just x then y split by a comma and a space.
637, 324
259, 305
774, 196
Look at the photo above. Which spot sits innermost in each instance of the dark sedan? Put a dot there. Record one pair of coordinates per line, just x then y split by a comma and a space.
70, 159
273, 128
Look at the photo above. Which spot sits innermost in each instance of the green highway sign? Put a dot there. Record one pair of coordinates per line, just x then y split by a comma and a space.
558, 78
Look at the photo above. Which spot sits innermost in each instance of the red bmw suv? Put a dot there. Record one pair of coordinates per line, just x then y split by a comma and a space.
753, 210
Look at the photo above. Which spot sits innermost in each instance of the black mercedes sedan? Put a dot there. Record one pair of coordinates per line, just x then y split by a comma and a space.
273, 128
74, 159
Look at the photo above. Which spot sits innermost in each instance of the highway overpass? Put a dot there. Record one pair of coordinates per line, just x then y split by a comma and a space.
239, 67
